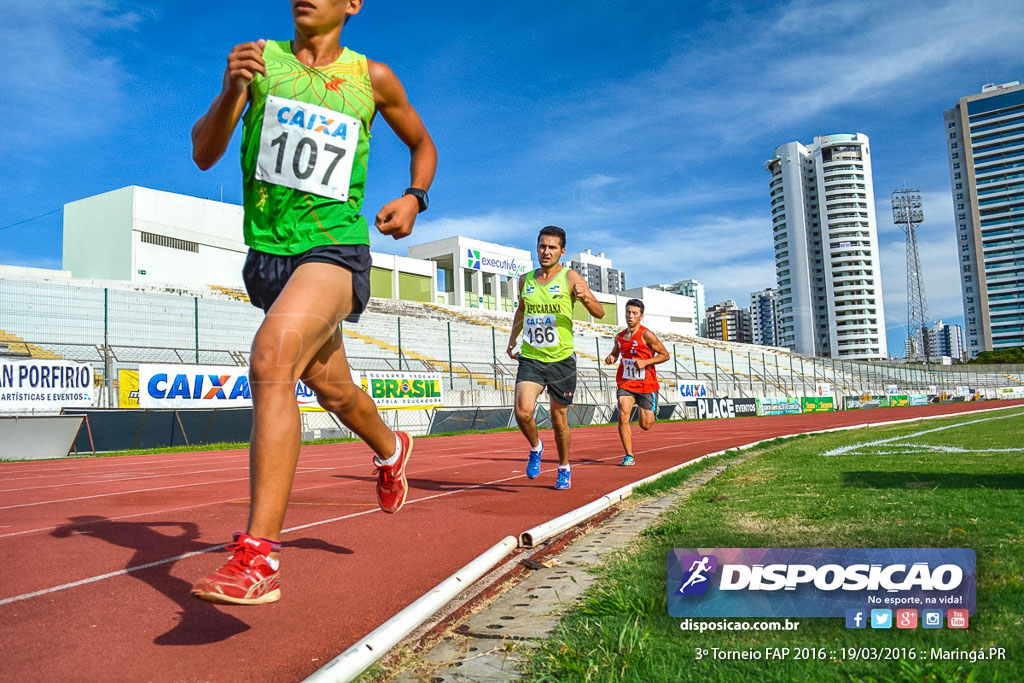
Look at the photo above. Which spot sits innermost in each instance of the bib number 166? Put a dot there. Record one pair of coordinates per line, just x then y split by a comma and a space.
540, 331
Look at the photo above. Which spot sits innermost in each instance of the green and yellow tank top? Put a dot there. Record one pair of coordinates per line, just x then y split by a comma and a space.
547, 318
305, 148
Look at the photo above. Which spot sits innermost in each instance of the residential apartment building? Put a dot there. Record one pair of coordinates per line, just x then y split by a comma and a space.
597, 270
985, 139
728, 322
764, 316
826, 248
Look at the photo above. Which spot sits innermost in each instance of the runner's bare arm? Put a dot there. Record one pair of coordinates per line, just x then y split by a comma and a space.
212, 132
613, 357
398, 216
517, 323
660, 352
581, 292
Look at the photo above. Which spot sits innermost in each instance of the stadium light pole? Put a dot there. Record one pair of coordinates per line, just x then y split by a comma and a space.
908, 214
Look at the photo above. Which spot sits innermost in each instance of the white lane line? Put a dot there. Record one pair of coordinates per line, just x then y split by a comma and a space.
128, 570
842, 450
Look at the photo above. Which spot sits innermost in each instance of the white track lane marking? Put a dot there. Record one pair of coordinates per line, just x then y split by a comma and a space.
843, 450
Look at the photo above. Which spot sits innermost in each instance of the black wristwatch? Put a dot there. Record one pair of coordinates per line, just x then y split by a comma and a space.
421, 197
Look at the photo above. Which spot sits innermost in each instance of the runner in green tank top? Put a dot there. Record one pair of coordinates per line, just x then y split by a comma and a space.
548, 358
308, 105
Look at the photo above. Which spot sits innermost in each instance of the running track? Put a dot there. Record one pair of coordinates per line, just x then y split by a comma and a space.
99, 554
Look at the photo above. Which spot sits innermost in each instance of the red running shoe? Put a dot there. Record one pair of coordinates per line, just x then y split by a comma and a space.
246, 579
392, 486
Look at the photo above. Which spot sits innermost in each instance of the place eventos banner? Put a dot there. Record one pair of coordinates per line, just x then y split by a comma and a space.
38, 384
205, 386
719, 408
404, 389
816, 582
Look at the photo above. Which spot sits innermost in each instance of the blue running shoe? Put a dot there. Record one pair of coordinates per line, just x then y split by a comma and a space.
627, 461
533, 466
564, 479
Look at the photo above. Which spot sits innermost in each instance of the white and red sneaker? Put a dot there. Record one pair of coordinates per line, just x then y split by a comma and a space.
248, 578
392, 486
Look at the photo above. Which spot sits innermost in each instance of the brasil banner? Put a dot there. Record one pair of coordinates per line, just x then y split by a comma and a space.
394, 390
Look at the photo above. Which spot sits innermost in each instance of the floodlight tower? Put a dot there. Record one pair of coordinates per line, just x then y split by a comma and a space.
908, 213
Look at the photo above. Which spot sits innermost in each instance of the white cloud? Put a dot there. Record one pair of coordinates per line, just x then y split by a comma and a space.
62, 80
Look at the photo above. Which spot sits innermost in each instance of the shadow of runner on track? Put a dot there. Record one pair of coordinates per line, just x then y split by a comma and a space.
446, 485
199, 623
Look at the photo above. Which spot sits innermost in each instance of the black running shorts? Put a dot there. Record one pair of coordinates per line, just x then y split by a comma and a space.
265, 275
559, 377
645, 401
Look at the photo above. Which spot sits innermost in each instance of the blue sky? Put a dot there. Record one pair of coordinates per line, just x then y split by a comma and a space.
642, 128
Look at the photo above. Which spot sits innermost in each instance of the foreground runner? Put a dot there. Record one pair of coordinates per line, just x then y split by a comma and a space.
305, 146
640, 350
548, 358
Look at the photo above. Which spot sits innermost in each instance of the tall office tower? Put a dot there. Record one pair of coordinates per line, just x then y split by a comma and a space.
597, 270
764, 316
826, 248
729, 322
985, 135
694, 289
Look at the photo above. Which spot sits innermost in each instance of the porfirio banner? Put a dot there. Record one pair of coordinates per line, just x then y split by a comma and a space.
404, 389
778, 406
38, 384
817, 404
818, 582
205, 386
692, 390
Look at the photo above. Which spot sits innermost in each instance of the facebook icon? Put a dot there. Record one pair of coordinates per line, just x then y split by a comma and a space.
856, 618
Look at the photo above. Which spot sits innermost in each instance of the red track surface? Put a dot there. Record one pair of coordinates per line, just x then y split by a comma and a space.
347, 567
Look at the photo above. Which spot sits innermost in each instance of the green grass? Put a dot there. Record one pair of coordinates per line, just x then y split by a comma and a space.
791, 496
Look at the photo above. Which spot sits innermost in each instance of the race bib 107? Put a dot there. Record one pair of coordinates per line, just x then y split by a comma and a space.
307, 147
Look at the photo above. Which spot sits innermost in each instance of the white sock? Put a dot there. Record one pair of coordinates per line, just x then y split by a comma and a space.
273, 562
537, 448
393, 459
564, 467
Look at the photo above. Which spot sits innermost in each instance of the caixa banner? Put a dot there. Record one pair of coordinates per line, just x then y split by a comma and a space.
205, 386
817, 582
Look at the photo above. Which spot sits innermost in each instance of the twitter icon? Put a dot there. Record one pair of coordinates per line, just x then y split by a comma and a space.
881, 618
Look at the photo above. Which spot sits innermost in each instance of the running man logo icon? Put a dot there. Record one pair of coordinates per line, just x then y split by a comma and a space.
697, 581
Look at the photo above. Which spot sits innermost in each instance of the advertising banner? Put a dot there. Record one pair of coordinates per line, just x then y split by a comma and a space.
744, 406
892, 390
495, 262
919, 399
715, 408
817, 404
866, 401
404, 389
822, 389
128, 389
204, 386
1011, 392
899, 401
778, 406
38, 384
691, 390
819, 582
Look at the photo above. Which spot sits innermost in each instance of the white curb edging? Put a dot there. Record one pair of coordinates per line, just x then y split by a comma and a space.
355, 660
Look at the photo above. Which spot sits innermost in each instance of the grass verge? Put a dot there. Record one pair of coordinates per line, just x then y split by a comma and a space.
949, 487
